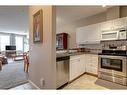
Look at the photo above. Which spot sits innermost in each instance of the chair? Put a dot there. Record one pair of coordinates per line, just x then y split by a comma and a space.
26, 62
3, 59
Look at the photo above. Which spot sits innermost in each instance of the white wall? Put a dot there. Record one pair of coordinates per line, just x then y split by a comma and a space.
42, 56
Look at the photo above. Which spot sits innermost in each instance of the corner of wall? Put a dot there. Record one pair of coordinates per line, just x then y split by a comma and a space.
42, 67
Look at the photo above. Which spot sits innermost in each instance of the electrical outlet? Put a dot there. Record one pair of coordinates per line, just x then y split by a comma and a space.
42, 82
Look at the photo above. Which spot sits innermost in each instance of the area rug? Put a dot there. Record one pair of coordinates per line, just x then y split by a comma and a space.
12, 75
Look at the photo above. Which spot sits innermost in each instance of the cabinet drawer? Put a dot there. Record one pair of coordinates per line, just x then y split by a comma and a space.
94, 70
74, 57
75, 60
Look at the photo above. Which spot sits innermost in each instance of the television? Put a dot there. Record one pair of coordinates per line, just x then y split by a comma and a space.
10, 47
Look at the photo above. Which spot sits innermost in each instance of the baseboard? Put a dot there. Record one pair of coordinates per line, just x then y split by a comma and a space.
69, 81
76, 78
33, 84
82, 75
95, 75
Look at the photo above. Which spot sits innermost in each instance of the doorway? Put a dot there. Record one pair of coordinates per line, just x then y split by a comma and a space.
14, 41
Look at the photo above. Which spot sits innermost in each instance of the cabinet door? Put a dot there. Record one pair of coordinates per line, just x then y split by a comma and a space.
80, 35
94, 70
88, 69
94, 60
88, 34
120, 23
108, 25
73, 70
94, 64
91, 61
74, 62
87, 62
94, 33
77, 66
82, 64
83, 34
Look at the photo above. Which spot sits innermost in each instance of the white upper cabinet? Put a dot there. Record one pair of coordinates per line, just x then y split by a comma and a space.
105, 26
120, 23
92, 33
88, 34
80, 35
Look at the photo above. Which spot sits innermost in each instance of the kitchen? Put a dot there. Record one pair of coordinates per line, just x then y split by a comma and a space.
91, 43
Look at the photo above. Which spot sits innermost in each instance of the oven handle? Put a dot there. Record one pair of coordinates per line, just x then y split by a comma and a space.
113, 57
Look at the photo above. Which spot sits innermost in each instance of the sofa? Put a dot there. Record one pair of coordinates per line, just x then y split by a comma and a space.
3, 59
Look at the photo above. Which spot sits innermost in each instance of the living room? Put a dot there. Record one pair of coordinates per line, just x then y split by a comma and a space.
14, 42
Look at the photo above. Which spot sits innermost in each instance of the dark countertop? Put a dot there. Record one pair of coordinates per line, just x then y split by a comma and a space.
74, 54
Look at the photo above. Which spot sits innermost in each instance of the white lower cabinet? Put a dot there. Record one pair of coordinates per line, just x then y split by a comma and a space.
82, 63
77, 66
91, 63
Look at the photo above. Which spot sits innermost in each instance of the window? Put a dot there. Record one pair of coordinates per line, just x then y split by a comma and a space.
19, 43
4, 40
26, 44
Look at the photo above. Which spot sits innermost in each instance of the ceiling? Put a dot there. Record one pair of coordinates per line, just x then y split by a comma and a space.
66, 14
14, 19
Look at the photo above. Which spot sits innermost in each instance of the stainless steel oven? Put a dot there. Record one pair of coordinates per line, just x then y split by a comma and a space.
113, 61
113, 64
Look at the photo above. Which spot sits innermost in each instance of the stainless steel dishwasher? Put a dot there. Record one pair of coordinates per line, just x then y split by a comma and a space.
62, 73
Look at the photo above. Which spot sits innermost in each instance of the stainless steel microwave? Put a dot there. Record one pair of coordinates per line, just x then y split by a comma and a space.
122, 34
113, 35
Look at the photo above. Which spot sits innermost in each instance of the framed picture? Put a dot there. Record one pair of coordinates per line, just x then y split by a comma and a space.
38, 26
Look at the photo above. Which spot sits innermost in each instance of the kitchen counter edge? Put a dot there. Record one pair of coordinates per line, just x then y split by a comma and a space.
75, 54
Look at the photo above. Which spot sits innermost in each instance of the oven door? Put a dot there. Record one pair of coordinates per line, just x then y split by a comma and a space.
112, 64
